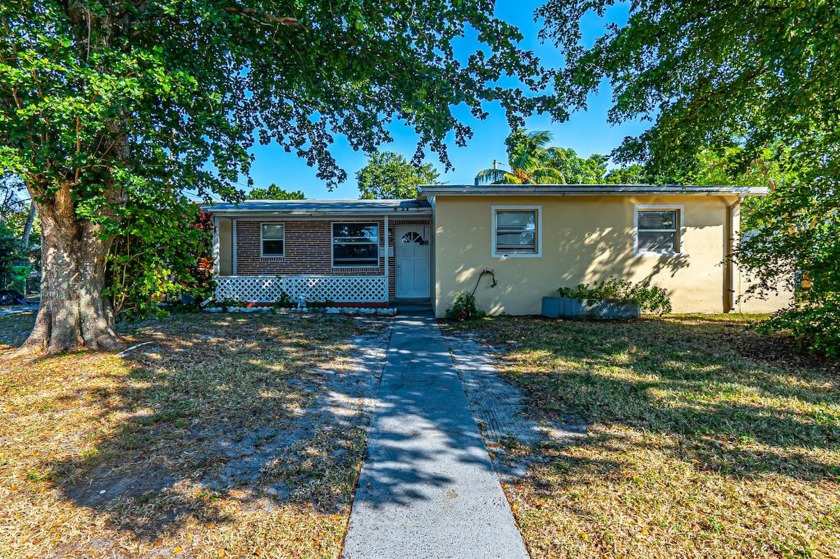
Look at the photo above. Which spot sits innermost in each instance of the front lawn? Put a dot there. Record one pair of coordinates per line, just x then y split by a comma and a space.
222, 436
704, 439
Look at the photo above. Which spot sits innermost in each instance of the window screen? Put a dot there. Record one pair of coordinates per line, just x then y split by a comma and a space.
657, 231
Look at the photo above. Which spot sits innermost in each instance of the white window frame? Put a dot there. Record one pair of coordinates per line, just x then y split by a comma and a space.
494, 210
353, 266
262, 254
680, 229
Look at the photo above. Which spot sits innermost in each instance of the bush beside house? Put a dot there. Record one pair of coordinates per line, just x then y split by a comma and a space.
610, 298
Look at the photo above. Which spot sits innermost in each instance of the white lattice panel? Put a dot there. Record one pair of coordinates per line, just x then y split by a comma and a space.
267, 289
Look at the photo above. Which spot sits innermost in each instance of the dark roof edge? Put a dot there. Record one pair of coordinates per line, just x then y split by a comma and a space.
587, 190
314, 208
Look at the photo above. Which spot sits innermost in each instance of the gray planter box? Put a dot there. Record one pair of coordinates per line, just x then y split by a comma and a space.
564, 307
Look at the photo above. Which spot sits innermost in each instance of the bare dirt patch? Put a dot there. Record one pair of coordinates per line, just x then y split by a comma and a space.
226, 436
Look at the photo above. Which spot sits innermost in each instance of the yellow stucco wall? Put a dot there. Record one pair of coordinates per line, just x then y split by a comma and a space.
749, 301
584, 239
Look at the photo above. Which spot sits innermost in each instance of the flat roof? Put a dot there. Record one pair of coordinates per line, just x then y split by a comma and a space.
306, 208
585, 190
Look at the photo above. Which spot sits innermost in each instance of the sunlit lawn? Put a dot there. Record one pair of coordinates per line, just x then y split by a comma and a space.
210, 441
705, 440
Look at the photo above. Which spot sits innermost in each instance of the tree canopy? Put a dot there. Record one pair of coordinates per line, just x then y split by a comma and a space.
108, 106
389, 175
575, 169
274, 192
754, 85
706, 73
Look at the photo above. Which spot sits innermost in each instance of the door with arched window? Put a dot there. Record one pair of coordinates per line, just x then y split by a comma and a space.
411, 258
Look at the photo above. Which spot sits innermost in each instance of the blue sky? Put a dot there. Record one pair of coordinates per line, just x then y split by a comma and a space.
585, 132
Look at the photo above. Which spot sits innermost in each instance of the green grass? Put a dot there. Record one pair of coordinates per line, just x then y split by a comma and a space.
705, 439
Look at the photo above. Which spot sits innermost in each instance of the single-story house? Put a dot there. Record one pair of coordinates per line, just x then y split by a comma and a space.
512, 244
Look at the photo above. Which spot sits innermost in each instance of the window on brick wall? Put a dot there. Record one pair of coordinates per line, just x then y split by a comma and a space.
273, 239
355, 245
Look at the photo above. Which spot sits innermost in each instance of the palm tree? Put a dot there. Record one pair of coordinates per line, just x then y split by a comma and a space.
529, 160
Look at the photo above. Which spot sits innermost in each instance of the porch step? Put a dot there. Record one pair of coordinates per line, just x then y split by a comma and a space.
413, 306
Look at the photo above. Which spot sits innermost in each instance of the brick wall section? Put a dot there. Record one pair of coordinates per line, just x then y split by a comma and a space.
308, 248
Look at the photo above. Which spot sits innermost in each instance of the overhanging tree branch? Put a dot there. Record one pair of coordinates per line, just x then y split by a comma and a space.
257, 15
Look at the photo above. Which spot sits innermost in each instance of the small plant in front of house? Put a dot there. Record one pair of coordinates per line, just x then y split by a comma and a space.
652, 300
464, 307
284, 301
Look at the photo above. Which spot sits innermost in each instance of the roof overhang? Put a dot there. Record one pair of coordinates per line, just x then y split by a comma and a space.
589, 190
319, 208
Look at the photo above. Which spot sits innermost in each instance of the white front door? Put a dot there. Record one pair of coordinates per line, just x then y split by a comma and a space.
411, 254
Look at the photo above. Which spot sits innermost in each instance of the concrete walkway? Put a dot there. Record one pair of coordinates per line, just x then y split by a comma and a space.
18, 310
427, 487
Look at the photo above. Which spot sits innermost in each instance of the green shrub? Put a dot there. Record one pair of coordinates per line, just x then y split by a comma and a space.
653, 300
284, 301
17, 277
464, 307
814, 323
161, 254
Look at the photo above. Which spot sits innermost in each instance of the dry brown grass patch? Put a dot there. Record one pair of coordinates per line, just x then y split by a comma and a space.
214, 440
706, 440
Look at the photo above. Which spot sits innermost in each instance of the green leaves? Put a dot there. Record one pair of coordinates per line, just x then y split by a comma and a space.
188, 83
744, 93
128, 107
390, 175
274, 192
464, 307
652, 300
533, 161
705, 73
161, 252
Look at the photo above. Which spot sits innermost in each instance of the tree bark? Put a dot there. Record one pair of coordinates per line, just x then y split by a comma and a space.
73, 312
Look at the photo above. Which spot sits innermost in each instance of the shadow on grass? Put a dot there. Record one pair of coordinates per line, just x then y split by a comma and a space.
732, 411
257, 410
226, 413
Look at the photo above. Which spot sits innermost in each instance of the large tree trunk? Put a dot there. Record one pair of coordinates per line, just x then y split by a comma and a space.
73, 311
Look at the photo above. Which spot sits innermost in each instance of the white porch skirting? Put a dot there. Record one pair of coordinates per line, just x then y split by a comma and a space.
267, 289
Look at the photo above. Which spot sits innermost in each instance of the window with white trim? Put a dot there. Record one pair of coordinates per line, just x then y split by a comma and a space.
355, 245
273, 239
515, 231
658, 231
